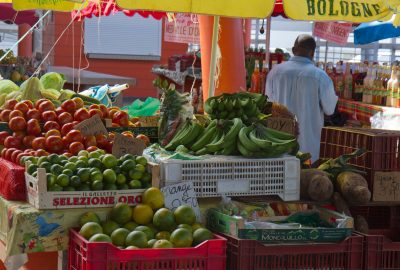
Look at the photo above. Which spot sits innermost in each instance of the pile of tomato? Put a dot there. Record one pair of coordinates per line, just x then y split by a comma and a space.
40, 128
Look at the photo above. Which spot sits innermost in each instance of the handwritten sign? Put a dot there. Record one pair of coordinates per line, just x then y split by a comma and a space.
92, 126
181, 194
282, 124
386, 186
125, 145
184, 29
333, 31
149, 121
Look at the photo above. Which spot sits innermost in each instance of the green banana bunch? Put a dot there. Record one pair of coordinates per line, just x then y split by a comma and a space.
185, 136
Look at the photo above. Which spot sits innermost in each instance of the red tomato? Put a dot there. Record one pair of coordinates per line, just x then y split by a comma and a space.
94, 106
74, 136
69, 106
78, 102
52, 132
10, 104
111, 113
59, 110
90, 141
33, 114
12, 142
27, 140
75, 123
92, 148
51, 125
49, 116
104, 110
16, 113
143, 138
101, 140
5, 115
38, 102
3, 152
41, 153
21, 106
46, 106
75, 147
81, 115
29, 104
33, 127
115, 125
18, 159
67, 154
9, 153
111, 135
67, 128
93, 112
54, 144
19, 135
17, 123
65, 118
39, 143
3, 136
128, 134
121, 118
15, 154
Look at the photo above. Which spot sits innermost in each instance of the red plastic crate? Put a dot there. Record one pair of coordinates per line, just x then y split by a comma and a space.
378, 217
251, 255
12, 181
82, 255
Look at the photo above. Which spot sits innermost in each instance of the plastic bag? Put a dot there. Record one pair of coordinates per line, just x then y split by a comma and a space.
389, 120
147, 108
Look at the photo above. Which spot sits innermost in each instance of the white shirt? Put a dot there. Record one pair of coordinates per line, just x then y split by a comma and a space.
307, 92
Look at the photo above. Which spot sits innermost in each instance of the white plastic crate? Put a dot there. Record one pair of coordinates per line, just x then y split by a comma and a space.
236, 176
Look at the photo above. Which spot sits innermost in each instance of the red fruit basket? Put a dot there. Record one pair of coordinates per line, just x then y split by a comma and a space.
82, 255
12, 181
252, 255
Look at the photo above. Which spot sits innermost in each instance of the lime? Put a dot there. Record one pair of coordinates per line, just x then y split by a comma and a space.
140, 168
41, 160
109, 161
32, 168
95, 163
163, 244
135, 175
135, 184
109, 226
55, 188
83, 153
71, 166
45, 165
149, 232
163, 235
84, 187
131, 247
96, 176
84, 174
121, 213
181, 238
62, 158
130, 225
94, 170
118, 236
196, 226
164, 220
137, 239
68, 172
201, 235
121, 179
127, 157
186, 226
146, 178
63, 180
100, 237
117, 170
90, 229
63, 162
128, 165
84, 159
141, 160
151, 242
110, 187
123, 187
88, 217
94, 154
69, 188
51, 180
73, 159
184, 214
34, 174
56, 169
80, 164
97, 185
75, 181
53, 158
109, 176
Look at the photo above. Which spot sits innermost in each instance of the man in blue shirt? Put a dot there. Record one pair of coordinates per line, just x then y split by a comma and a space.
306, 91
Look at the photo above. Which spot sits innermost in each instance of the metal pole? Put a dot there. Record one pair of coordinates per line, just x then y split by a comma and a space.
326, 55
213, 62
268, 40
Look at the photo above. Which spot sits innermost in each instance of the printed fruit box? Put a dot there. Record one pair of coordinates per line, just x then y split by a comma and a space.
235, 226
40, 198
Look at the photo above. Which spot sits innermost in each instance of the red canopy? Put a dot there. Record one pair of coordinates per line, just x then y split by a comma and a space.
9, 15
107, 7
278, 9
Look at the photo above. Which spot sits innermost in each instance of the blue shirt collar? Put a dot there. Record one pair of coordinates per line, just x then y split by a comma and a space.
300, 59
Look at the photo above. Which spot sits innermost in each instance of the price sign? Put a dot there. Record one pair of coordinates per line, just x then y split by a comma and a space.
149, 121
92, 126
386, 186
125, 145
181, 194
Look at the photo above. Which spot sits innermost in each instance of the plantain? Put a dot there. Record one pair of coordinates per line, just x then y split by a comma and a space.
217, 146
243, 150
196, 130
233, 132
178, 136
245, 140
205, 137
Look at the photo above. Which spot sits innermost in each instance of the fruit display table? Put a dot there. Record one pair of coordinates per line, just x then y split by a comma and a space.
25, 229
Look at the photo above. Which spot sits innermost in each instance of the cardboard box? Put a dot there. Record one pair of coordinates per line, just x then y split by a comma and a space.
235, 226
386, 187
40, 198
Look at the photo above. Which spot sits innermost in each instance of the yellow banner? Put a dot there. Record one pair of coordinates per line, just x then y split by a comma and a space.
356, 11
228, 8
57, 5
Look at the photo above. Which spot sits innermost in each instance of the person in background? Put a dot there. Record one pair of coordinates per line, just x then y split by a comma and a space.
306, 91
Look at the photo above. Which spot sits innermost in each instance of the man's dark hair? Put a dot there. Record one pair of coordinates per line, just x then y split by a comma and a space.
305, 46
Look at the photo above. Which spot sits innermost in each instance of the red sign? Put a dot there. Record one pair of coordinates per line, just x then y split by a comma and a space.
184, 29
333, 31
